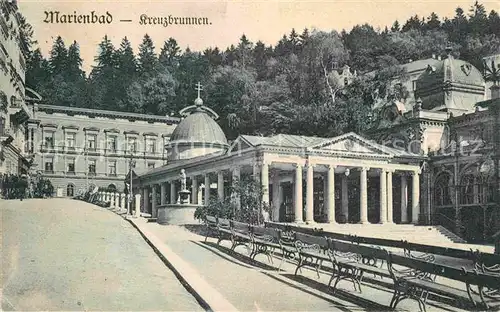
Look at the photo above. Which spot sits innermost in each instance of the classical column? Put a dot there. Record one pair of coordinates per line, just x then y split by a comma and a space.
235, 172
173, 192
153, 200
404, 198
330, 194
122, 201
390, 199
163, 194
383, 196
256, 168
145, 199
220, 184
363, 202
207, 189
345, 198
310, 193
137, 205
129, 203
415, 197
265, 182
276, 196
194, 190
200, 195
298, 193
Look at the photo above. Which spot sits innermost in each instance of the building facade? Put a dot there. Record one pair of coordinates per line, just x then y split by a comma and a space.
430, 160
451, 125
78, 148
13, 109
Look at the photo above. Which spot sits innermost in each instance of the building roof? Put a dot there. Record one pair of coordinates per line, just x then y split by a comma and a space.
198, 127
452, 70
105, 113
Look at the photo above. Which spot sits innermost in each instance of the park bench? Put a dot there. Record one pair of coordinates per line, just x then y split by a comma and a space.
351, 261
241, 235
311, 250
264, 241
211, 226
223, 230
418, 279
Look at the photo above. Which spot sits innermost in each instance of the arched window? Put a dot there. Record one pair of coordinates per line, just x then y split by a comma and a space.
111, 188
442, 190
70, 190
468, 187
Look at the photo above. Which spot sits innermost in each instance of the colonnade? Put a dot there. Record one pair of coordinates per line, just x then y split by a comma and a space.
330, 171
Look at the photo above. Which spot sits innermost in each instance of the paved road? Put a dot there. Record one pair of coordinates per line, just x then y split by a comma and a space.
67, 255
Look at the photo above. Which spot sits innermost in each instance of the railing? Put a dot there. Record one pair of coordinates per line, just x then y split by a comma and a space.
446, 222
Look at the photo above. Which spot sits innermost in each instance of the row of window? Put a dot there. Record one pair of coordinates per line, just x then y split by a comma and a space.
91, 142
91, 166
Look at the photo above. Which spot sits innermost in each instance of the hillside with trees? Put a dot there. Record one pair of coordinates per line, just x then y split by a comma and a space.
259, 89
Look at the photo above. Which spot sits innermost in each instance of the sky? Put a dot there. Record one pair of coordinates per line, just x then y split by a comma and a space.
228, 20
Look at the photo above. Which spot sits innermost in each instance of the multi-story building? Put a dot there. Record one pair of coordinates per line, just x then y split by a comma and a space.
77, 148
13, 110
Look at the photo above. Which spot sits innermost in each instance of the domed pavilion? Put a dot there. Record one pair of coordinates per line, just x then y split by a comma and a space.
289, 168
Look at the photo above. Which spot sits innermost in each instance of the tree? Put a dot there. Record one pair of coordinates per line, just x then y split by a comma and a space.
103, 77
153, 95
170, 54
395, 27
126, 68
147, 61
38, 72
26, 35
58, 56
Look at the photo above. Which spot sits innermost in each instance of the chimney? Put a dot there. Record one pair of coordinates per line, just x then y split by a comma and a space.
495, 92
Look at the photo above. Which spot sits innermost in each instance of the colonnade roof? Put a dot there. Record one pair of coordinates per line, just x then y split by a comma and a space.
247, 147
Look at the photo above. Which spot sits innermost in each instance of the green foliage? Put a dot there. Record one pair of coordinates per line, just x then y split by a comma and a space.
249, 194
290, 87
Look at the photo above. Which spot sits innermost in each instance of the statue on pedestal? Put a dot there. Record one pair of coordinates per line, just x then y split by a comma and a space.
184, 192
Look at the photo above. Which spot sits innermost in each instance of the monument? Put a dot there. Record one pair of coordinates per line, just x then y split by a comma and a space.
182, 212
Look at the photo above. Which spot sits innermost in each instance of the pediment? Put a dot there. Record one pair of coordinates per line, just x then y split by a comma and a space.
352, 143
239, 144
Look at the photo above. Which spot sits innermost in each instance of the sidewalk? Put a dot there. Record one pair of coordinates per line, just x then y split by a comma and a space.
231, 282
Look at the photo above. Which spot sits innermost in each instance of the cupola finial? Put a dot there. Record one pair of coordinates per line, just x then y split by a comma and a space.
198, 101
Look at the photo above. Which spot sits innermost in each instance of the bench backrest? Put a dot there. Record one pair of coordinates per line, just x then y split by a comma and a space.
240, 227
224, 223
268, 234
211, 220
310, 241
430, 268
363, 251
482, 279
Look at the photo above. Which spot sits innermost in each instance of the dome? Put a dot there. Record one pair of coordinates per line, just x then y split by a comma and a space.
196, 135
452, 85
198, 127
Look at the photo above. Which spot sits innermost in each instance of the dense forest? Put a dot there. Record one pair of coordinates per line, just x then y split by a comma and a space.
291, 87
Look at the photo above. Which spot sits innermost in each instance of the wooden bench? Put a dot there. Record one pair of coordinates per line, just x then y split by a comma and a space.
241, 235
264, 241
211, 226
311, 251
418, 279
223, 230
351, 261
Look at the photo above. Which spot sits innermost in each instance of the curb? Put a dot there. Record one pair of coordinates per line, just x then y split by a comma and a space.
208, 298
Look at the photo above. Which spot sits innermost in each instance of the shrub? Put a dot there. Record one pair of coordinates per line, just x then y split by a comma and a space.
251, 208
